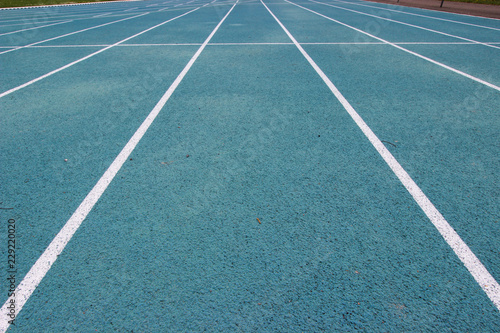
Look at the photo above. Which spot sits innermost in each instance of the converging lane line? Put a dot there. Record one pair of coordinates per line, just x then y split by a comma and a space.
236, 44
420, 15
468, 258
491, 85
72, 33
55, 248
407, 24
33, 28
10, 91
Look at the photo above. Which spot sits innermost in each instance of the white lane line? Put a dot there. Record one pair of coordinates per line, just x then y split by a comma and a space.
491, 85
420, 15
407, 24
127, 10
35, 275
43, 26
101, 15
236, 44
345, 43
10, 91
26, 22
72, 33
166, 44
242, 43
439, 43
105, 45
468, 258
397, 43
66, 46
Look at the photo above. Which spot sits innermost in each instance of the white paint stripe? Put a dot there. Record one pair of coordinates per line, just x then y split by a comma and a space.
101, 15
72, 33
471, 262
66, 46
425, 16
127, 10
166, 44
407, 24
403, 49
43, 26
35, 275
396, 43
91, 55
27, 23
344, 43
236, 44
105, 45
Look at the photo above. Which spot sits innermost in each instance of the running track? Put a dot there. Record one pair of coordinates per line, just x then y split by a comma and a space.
250, 166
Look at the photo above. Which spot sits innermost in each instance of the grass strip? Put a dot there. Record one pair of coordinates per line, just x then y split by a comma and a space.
26, 3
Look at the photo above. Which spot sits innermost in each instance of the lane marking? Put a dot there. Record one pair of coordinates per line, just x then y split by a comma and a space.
35, 275
491, 85
166, 44
10, 91
43, 26
101, 15
235, 44
243, 43
65, 46
342, 43
407, 24
72, 33
469, 259
28, 23
426, 16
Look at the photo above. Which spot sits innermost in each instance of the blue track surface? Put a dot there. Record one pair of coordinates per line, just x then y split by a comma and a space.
253, 202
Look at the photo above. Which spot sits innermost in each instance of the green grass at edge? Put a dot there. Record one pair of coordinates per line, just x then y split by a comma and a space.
25, 3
